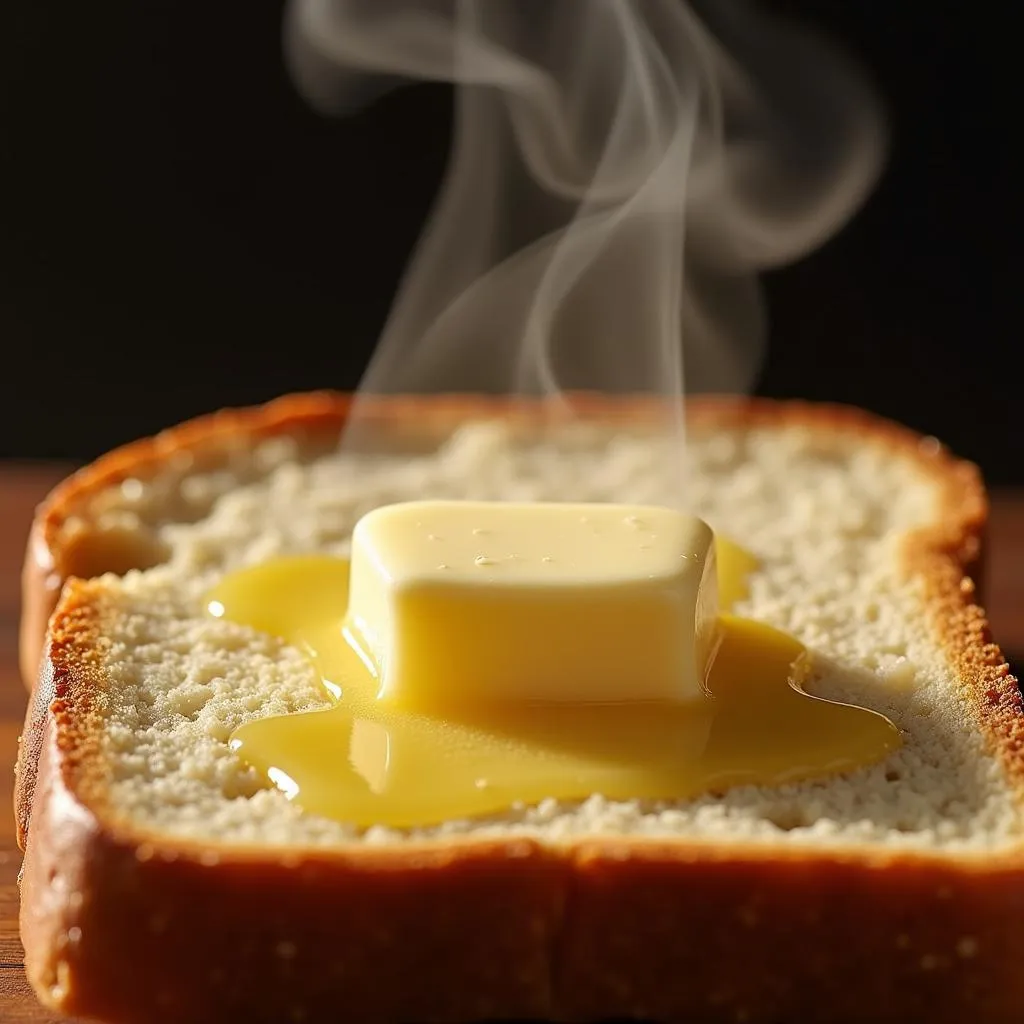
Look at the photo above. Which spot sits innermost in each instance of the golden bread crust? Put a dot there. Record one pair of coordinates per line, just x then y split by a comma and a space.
132, 927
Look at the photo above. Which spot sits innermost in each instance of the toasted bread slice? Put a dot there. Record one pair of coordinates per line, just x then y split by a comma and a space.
164, 882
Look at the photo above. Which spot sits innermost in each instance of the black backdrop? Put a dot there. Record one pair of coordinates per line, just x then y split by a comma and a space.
179, 232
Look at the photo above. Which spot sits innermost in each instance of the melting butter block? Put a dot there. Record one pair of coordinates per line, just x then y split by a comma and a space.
476, 602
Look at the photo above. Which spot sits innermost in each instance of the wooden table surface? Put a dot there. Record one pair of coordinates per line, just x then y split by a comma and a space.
22, 486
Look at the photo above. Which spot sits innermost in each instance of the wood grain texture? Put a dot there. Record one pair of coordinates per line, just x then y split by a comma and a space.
21, 488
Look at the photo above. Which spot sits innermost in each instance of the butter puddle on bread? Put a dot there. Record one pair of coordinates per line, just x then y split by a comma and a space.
863, 534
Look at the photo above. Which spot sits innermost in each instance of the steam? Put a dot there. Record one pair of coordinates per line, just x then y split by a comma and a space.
621, 171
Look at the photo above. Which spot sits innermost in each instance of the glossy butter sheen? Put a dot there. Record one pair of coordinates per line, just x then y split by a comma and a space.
467, 602
366, 761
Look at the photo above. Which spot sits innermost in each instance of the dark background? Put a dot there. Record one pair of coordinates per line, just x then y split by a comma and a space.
179, 232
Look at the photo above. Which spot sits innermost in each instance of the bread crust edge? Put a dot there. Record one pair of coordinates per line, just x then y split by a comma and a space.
599, 928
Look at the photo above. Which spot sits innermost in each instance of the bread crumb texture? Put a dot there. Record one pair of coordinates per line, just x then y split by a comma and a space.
825, 513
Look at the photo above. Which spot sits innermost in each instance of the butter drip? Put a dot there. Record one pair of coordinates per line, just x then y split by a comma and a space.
367, 762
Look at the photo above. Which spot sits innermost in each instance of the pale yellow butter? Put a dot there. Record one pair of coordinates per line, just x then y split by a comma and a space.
456, 602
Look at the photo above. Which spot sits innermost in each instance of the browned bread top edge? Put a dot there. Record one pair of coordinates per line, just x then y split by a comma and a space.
46, 565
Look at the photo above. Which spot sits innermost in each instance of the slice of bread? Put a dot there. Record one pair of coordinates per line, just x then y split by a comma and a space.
164, 882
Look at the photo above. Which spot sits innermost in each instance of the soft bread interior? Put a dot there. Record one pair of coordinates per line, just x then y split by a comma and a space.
825, 511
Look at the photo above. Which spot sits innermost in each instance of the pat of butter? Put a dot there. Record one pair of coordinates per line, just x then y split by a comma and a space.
476, 602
